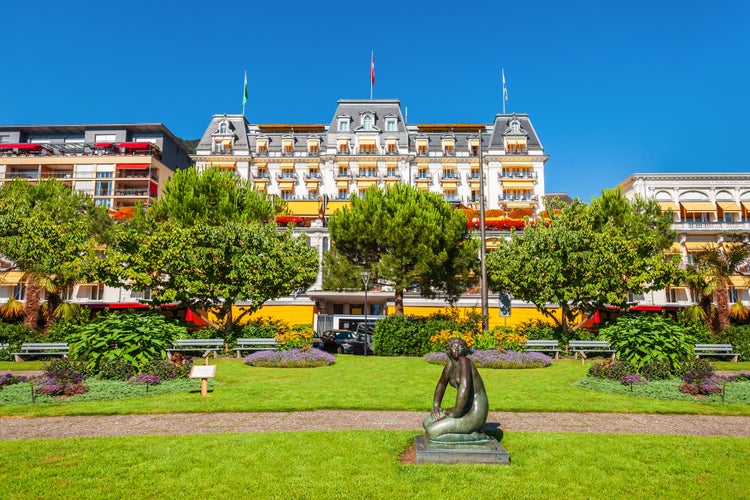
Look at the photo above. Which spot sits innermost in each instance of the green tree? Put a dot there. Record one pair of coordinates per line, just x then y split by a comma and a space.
207, 244
408, 237
586, 257
710, 275
339, 274
54, 236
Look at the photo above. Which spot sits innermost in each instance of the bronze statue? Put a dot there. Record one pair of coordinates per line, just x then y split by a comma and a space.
463, 422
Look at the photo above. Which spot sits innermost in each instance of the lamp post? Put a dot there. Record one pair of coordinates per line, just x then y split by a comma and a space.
365, 281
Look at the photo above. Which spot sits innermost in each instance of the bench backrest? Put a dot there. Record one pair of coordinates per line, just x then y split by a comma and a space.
42, 346
596, 344
198, 342
256, 341
714, 347
541, 343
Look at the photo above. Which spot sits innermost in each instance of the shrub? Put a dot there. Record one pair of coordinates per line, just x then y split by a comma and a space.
293, 358
632, 379
9, 379
658, 369
264, 328
537, 329
134, 337
400, 336
614, 370
486, 341
699, 379
495, 359
509, 341
297, 337
640, 338
739, 337
439, 339
61, 378
167, 370
114, 369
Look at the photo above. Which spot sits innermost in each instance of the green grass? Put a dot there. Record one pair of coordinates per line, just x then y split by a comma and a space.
380, 383
364, 464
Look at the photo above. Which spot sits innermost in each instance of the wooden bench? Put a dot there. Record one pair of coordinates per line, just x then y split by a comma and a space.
255, 344
206, 346
584, 347
542, 346
715, 350
42, 349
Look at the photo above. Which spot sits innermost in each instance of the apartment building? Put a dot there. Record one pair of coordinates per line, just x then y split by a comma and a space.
705, 208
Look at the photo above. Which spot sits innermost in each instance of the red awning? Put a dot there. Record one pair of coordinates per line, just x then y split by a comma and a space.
103, 145
128, 305
132, 166
194, 318
23, 147
135, 145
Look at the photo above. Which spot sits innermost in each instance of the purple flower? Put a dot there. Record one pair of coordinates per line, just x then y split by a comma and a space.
632, 379
146, 378
492, 358
293, 358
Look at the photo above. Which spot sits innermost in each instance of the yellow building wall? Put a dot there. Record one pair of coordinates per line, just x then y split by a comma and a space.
290, 314
517, 316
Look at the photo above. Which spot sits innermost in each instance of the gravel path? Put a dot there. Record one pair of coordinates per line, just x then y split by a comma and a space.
12, 428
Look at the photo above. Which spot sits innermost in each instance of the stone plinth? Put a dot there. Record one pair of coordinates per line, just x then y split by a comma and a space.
490, 452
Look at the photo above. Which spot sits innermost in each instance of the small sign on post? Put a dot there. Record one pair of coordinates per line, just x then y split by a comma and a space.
203, 372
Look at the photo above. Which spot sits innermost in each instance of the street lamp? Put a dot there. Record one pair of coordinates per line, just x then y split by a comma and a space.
365, 281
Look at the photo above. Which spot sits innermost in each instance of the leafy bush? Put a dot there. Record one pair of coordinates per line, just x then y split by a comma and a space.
738, 336
401, 336
9, 379
495, 359
114, 369
294, 358
14, 334
614, 370
264, 328
61, 378
537, 329
134, 337
167, 370
639, 339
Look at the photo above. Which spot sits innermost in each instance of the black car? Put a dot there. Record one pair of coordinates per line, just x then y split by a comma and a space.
343, 342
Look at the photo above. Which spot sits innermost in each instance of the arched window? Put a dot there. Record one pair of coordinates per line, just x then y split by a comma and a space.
367, 122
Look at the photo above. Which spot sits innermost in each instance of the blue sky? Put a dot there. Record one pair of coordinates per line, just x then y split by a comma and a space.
613, 88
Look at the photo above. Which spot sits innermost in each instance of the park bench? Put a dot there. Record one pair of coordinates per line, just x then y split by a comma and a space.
590, 347
42, 349
544, 346
4, 346
206, 346
715, 350
255, 344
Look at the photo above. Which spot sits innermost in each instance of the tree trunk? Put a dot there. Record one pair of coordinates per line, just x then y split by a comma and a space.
53, 301
31, 308
399, 299
721, 298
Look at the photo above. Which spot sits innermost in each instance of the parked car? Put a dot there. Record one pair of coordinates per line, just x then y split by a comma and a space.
343, 342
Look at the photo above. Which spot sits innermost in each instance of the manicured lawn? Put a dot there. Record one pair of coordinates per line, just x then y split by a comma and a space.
379, 383
364, 464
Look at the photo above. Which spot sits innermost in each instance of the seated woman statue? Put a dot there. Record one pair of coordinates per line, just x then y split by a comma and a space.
463, 422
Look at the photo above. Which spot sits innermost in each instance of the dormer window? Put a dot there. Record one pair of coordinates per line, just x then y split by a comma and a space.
223, 128
313, 147
287, 147
261, 147
515, 127
391, 124
449, 147
343, 124
421, 147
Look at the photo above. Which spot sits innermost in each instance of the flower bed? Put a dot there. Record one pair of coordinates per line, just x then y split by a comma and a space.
293, 358
493, 358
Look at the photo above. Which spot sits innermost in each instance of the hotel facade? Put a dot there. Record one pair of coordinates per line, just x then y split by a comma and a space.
705, 209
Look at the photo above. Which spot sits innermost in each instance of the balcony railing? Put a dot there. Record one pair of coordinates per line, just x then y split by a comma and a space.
718, 227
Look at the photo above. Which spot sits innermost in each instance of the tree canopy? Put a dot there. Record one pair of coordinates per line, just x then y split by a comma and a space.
586, 256
407, 237
53, 235
208, 243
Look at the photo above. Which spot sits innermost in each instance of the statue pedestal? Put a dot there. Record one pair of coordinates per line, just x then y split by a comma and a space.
491, 452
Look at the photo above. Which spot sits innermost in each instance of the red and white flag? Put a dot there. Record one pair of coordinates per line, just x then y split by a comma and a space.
372, 69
